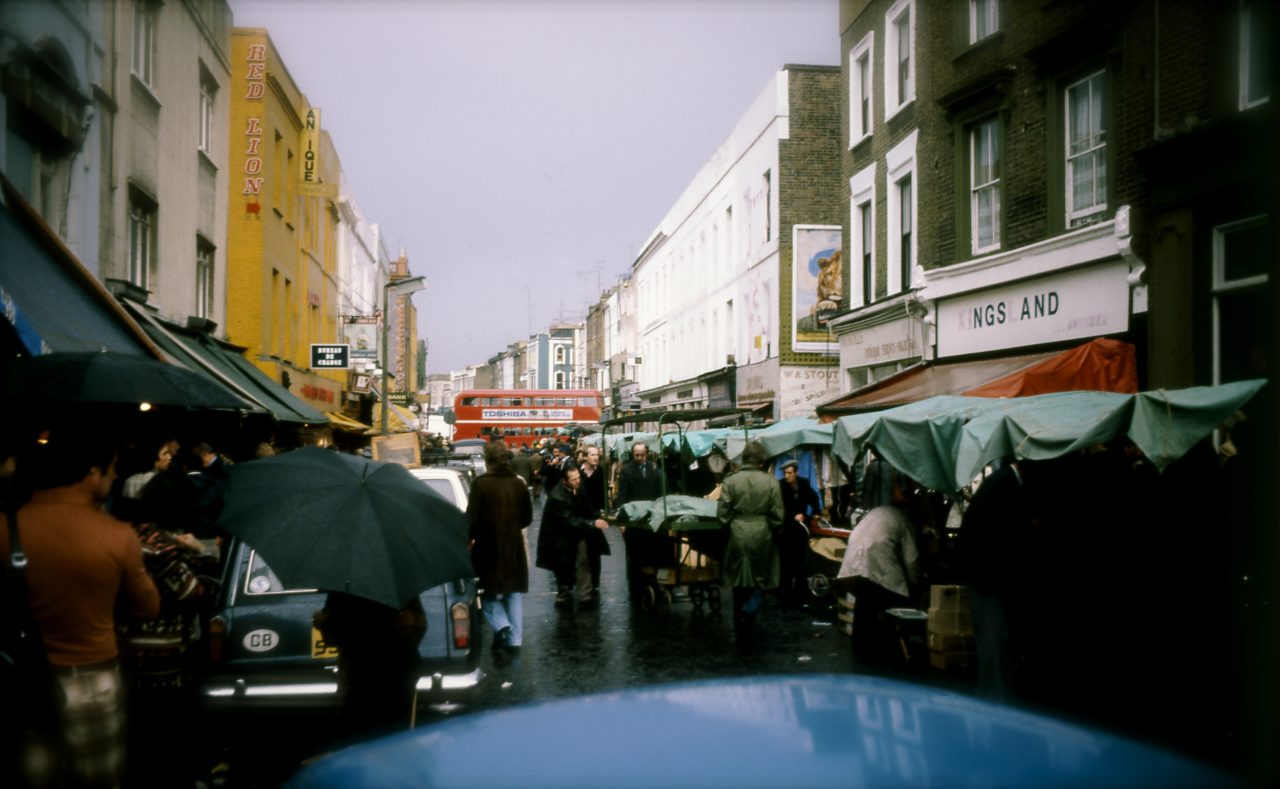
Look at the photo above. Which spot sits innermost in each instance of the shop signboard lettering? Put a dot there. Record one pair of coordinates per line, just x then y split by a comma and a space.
255, 90
330, 357
1072, 305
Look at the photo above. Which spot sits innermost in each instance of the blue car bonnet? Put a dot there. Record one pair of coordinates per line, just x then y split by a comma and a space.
813, 730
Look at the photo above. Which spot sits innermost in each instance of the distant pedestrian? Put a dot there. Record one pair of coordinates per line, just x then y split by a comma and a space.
535, 460
522, 465
164, 453
567, 518
209, 475
750, 507
82, 566
593, 490
499, 510
800, 503
639, 480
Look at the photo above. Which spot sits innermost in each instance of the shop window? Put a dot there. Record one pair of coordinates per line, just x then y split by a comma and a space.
1241, 263
899, 57
861, 63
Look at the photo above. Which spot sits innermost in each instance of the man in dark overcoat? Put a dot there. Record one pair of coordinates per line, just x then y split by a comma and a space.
567, 519
499, 510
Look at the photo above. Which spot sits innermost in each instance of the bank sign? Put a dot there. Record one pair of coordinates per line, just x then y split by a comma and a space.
527, 414
1087, 302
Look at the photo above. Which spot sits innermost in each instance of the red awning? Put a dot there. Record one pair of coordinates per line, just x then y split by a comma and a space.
1101, 365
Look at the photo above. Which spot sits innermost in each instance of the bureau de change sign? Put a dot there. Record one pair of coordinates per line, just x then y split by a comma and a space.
330, 357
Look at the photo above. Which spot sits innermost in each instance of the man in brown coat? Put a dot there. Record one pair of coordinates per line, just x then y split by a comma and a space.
499, 510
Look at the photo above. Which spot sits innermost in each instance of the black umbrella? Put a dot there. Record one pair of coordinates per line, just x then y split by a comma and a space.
327, 520
109, 377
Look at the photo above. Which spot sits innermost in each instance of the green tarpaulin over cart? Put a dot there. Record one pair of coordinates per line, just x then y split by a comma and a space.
944, 442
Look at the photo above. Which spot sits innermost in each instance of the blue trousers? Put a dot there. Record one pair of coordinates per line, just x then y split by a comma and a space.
505, 610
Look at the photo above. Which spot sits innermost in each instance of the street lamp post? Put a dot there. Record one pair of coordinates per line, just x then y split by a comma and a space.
401, 287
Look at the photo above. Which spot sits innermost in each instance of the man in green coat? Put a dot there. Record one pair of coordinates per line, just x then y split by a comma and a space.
751, 508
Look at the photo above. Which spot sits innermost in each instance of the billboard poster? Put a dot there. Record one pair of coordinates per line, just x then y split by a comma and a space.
817, 276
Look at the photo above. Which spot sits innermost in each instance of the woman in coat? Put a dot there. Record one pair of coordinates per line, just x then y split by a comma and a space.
751, 508
499, 510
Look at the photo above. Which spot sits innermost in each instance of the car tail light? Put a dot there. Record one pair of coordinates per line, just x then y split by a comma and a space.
461, 614
217, 631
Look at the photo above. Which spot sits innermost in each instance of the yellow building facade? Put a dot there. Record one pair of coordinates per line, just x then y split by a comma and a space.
282, 220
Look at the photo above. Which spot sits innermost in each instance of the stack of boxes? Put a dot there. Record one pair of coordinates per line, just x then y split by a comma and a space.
952, 646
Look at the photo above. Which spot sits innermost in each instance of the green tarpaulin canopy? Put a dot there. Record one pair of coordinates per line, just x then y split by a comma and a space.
944, 442
794, 432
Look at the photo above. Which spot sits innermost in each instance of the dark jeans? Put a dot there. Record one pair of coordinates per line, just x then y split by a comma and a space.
874, 638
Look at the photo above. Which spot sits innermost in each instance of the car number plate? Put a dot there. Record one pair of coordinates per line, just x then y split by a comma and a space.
319, 649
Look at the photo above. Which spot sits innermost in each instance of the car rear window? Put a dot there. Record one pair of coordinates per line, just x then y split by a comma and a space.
443, 487
260, 580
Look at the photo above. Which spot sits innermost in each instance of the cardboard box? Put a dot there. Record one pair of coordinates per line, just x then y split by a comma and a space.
952, 621
952, 642
949, 598
952, 661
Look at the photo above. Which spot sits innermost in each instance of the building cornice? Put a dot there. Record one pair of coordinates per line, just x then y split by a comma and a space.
1076, 248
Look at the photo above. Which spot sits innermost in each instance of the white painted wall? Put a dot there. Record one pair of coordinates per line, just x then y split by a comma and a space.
707, 280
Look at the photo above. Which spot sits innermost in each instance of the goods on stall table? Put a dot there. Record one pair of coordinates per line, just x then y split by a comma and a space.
846, 605
952, 645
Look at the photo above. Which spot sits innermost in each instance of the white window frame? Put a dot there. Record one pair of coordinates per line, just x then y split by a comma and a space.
142, 239
862, 88
1097, 149
995, 185
992, 18
561, 355
895, 99
1222, 285
862, 191
1247, 22
144, 41
900, 163
208, 93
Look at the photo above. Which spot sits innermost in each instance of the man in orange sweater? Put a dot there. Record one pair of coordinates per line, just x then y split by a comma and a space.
80, 562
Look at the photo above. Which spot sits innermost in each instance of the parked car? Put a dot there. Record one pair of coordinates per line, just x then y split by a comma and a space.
265, 655
466, 455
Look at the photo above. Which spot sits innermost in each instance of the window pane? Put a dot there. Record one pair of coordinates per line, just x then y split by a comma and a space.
1245, 252
1256, 51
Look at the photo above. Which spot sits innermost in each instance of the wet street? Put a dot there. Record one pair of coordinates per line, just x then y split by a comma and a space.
617, 645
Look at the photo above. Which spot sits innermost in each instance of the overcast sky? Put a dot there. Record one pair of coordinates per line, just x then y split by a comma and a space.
522, 151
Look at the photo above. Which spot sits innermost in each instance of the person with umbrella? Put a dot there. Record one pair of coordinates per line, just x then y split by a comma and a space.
499, 510
374, 537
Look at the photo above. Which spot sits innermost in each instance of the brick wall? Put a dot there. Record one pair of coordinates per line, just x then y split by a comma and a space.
808, 177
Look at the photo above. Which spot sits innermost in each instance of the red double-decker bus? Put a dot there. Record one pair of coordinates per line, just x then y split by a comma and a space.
521, 416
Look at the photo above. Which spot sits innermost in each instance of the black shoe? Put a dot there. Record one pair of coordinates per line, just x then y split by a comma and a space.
564, 599
512, 650
588, 604
500, 639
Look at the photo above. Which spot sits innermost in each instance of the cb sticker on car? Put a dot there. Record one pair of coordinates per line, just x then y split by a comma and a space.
261, 640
